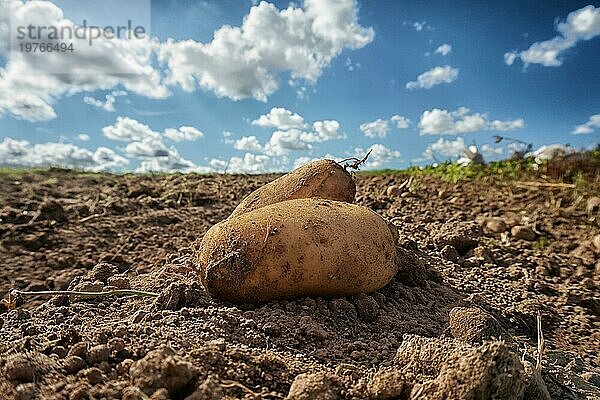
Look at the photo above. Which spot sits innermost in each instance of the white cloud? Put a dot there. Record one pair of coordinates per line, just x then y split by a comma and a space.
245, 61
377, 128
249, 164
282, 142
581, 24
281, 119
434, 76
400, 121
249, 143
324, 131
127, 129
592, 124
147, 148
240, 62
108, 104
106, 64
379, 157
443, 122
446, 148
23, 154
418, 25
290, 136
444, 49
188, 133
172, 162
83, 137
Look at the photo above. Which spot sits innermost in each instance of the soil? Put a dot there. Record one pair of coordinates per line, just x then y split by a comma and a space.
478, 261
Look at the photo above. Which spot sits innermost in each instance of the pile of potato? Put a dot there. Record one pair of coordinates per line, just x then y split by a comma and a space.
299, 236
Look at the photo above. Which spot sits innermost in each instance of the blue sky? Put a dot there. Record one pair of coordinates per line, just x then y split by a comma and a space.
283, 83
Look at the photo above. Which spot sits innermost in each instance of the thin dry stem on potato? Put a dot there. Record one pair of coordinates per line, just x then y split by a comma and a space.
357, 162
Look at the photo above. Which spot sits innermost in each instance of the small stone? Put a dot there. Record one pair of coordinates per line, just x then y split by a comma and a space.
464, 236
60, 351
473, 325
26, 391
320, 385
387, 384
449, 253
97, 354
495, 225
523, 232
367, 307
119, 281
102, 271
162, 368
93, 375
116, 344
19, 368
311, 328
74, 364
80, 392
160, 394
394, 191
123, 366
78, 350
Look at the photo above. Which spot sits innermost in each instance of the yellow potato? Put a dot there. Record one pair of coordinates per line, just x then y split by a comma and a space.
301, 247
324, 179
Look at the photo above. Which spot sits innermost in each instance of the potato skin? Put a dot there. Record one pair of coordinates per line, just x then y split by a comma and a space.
323, 178
301, 247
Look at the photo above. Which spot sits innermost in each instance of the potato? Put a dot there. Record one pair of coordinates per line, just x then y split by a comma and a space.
301, 247
324, 179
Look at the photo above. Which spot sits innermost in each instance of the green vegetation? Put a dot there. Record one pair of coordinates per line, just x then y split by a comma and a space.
580, 169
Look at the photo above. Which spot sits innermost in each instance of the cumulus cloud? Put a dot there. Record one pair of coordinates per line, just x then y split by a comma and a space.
379, 157
400, 121
281, 119
324, 131
147, 148
592, 124
108, 104
127, 129
433, 77
291, 134
377, 128
581, 24
83, 137
249, 164
242, 62
444, 49
171, 162
249, 143
188, 133
21, 153
282, 142
446, 148
106, 64
442, 122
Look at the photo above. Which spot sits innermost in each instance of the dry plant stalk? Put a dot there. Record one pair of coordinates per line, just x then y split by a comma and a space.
541, 344
116, 292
